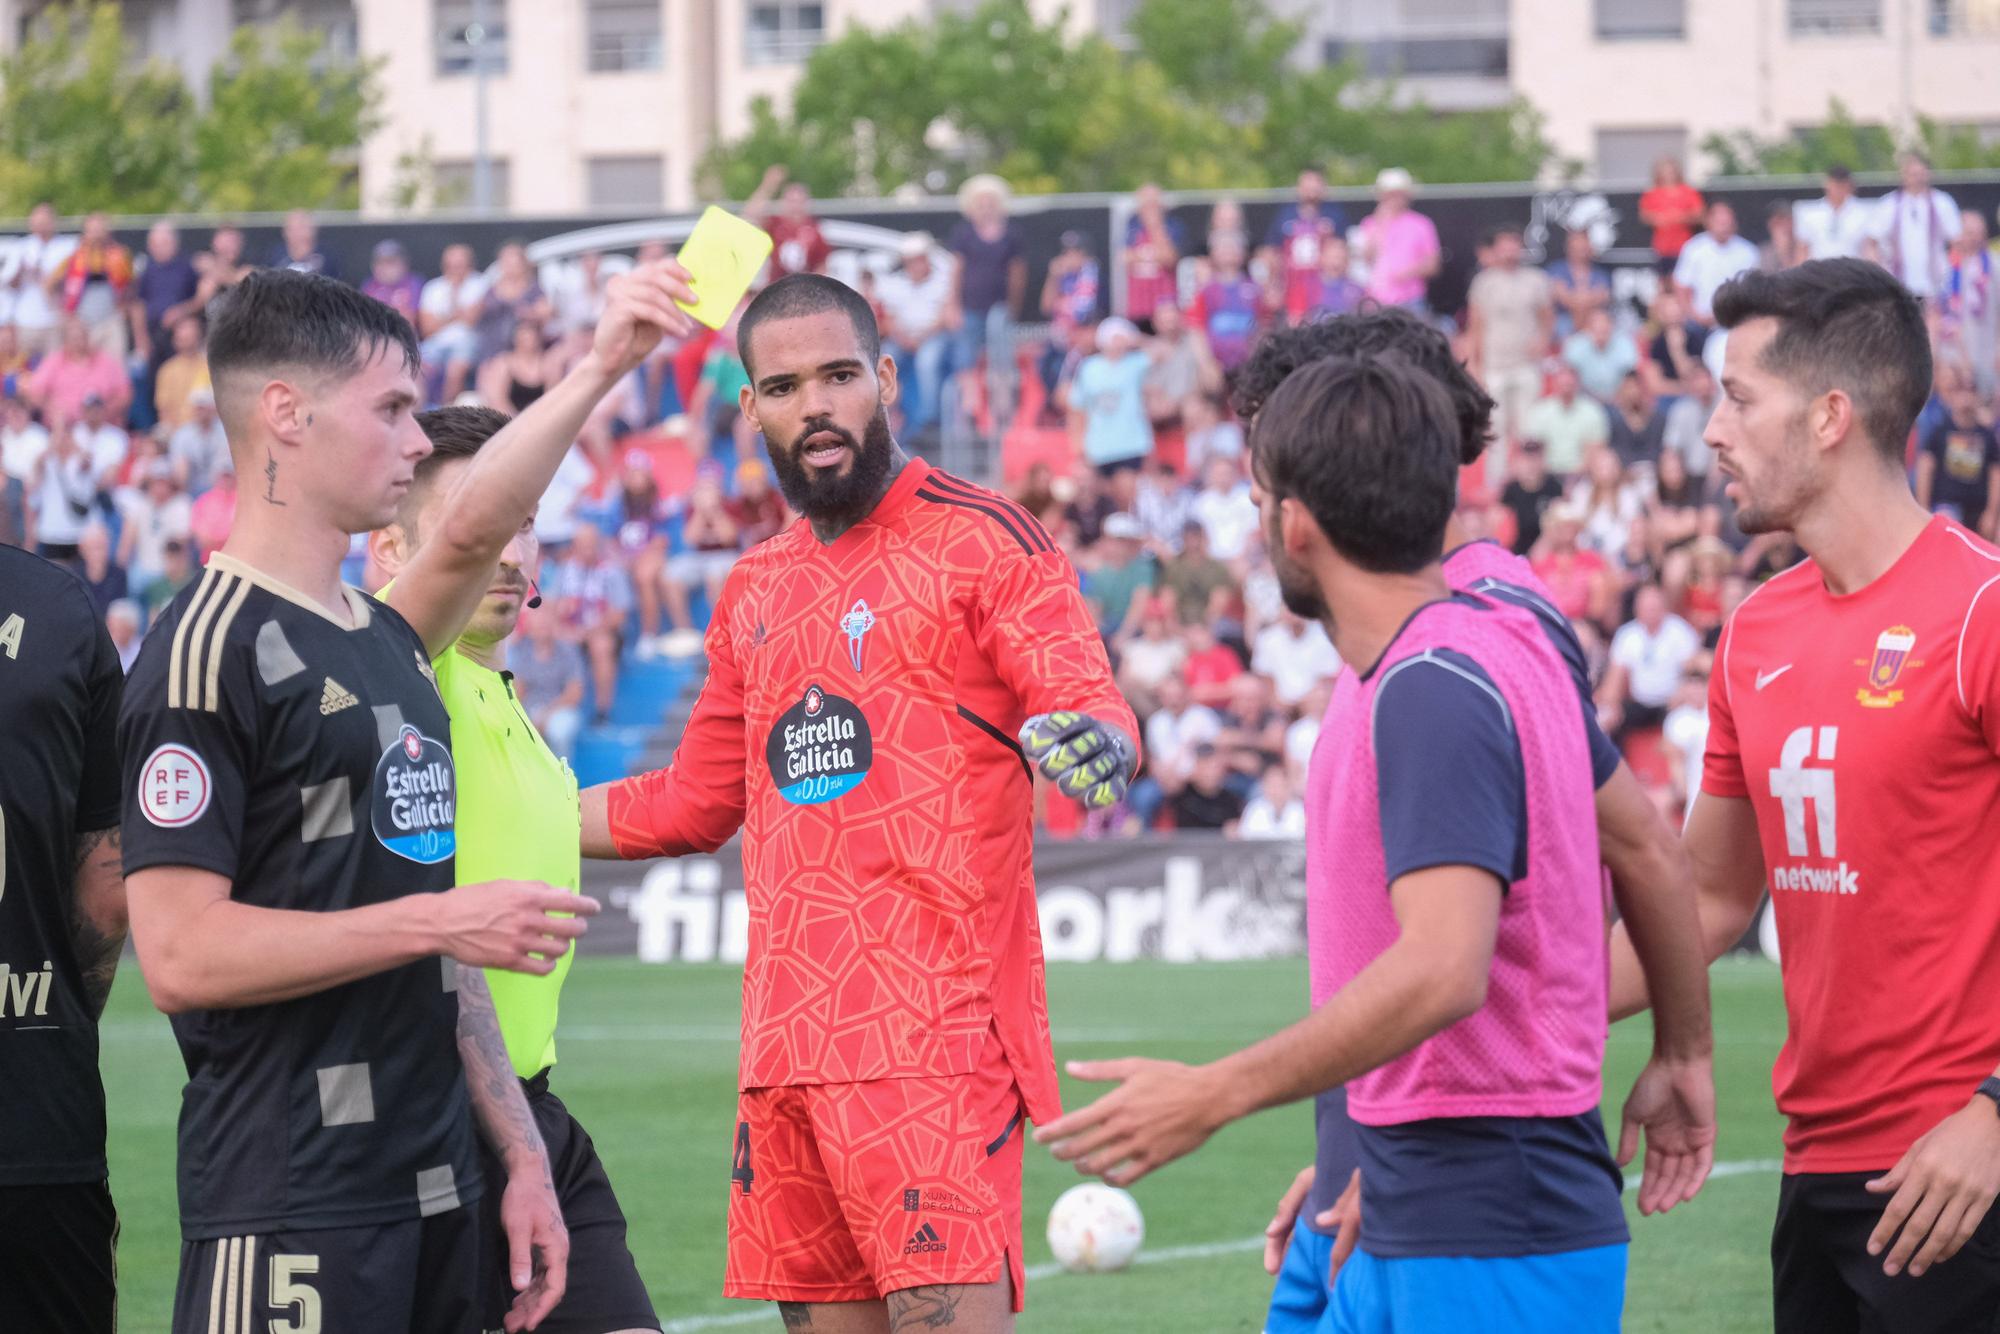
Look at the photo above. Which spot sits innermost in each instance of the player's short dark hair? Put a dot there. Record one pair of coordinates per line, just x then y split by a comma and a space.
1842, 324
455, 432
1368, 334
1370, 446
280, 318
800, 294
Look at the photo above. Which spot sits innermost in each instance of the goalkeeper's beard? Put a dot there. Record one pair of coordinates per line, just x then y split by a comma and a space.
833, 497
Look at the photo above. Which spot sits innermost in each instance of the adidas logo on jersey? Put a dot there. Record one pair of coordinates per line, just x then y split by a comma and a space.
925, 1241
335, 697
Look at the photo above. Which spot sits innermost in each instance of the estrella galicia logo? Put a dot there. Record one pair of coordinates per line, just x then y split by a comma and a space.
819, 749
416, 798
856, 624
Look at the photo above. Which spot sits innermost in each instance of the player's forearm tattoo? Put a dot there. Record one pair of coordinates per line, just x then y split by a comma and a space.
99, 857
796, 1315
503, 1112
931, 1307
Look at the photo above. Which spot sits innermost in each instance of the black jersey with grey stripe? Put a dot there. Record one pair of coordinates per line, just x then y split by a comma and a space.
309, 762
59, 684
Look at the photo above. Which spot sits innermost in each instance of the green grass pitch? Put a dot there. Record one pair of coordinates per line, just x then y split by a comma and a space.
649, 1064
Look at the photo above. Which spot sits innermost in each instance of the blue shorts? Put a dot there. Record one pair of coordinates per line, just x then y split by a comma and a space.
1301, 1301
1578, 1292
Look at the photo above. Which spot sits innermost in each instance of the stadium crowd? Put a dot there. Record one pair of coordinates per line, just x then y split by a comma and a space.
114, 460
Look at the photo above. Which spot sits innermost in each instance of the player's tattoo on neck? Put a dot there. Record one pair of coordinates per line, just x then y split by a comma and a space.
796, 1315
271, 479
934, 1306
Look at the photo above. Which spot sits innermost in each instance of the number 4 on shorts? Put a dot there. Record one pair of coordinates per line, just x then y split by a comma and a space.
739, 1168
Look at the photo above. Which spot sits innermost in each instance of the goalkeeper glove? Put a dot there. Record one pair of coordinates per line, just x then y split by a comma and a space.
1084, 758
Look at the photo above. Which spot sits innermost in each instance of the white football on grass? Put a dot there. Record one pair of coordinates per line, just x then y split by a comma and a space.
1095, 1228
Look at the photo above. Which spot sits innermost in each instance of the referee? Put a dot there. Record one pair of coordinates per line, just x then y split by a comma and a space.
62, 925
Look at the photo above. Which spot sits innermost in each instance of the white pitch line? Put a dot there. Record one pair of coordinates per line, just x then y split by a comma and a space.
1170, 1255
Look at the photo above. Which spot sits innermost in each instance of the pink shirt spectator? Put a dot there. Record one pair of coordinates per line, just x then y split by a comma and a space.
1400, 246
62, 382
214, 514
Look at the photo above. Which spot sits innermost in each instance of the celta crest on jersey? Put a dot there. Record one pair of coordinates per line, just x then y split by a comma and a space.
416, 798
819, 749
856, 625
1892, 656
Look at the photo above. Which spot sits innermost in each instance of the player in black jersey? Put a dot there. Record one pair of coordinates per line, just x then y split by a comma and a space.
62, 924
289, 828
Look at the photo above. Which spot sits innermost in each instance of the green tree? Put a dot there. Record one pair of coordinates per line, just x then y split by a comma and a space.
1223, 53
85, 125
1855, 144
283, 126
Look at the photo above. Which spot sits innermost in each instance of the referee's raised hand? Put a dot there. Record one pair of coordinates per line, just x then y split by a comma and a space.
520, 925
641, 307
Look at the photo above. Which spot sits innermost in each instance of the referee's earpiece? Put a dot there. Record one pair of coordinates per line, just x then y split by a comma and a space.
536, 600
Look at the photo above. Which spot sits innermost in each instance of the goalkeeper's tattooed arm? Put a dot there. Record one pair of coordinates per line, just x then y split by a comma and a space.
1084, 757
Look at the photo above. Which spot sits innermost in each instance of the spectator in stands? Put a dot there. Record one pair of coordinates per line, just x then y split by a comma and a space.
1399, 245
1648, 655
1108, 403
103, 440
178, 377
1182, 367
155, 514
163, 294
1567, 422
1672, 208
1296, 655
299, 250
1303, 734
1231, 307
1199, 584
107, 580
989, 285
1581, 285
1205, 800
593, 594
391, 282
221, 267
64, 495
1958, 467
1687, 423
514, 295
1609, 502
1712, 259
1224, 508
520, 374
75, 371
716, 404
710, 540
1783, 249
915, 299
1512, 320
1124, 572
1088, 507
1149, 648
797, 244
215, 510
1337, 294
198, 447
13, 357
1684, 733
1276, 811
1212, 666
1292, 242
757, 509
92, 285
1677, 342
1529, 493
1069, 300
1211, 433
1173, 732
180, 572
1253, 732
1225, 222
1154, 243
34, 260
1674, 507
447, 316
1913, 229
579, 298
1578, 578
1163, 507
23, 442
123, 621
1971, 304
1600, 356
1836, 225
548, 680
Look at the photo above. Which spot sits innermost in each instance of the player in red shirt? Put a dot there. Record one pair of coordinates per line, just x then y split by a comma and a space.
870, 669
1853, 767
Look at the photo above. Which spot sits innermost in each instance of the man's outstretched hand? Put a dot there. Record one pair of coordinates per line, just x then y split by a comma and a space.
1086, 759
641, 307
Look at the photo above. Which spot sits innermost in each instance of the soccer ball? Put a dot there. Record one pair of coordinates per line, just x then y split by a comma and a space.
1095, 1228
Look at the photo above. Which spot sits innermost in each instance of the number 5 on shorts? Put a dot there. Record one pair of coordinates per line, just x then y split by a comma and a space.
301, 1300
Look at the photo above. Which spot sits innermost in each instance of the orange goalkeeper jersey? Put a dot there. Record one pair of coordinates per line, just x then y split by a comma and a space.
859, 724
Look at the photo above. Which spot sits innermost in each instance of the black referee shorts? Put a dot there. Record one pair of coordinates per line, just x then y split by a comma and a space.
604, 1292
1824, 1281
417, 1276
58, 1259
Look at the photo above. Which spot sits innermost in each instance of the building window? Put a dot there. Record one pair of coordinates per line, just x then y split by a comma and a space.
1423, 57
626, 182
624, 35
452, 179
1626, 157
1641, 20
1114, 21
782, 33
468, 32
1834, 18
332, 19
1963, 18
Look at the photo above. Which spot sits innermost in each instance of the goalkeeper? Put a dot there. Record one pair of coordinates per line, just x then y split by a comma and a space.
884, 677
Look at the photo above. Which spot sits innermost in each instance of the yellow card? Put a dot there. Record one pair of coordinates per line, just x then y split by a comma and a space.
723, 255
